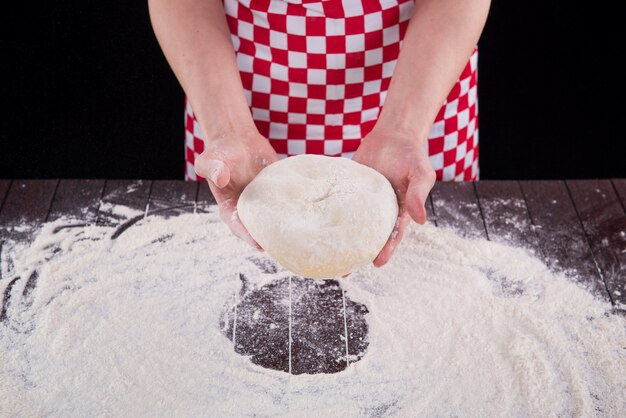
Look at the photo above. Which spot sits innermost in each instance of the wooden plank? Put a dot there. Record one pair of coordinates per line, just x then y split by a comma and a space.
205, 197
604, 222
506, 215
561, 236
318, 326
620, 188
261, 328
356, 329
123, 200
455, 205
313, 313
171, 197
430, 212
174, 192
26, 207
4, 189
77, 199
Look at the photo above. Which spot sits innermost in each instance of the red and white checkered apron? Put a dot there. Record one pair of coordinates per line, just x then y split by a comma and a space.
316, 73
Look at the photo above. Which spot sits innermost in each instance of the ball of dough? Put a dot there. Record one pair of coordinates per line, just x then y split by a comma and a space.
318, 216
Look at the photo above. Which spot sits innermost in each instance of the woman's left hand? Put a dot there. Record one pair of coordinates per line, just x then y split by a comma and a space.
403, 160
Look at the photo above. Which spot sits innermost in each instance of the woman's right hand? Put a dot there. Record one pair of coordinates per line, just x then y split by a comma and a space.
229, 162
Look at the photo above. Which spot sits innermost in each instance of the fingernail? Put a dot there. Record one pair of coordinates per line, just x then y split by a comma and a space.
214, 168
423, 216
209, 169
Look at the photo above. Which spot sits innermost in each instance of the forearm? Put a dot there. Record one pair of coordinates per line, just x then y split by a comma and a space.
196, 41
438, 42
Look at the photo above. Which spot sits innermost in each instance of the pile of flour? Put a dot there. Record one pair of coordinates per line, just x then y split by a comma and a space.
457, 327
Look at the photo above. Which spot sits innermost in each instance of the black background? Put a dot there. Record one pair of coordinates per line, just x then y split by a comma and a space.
86, 92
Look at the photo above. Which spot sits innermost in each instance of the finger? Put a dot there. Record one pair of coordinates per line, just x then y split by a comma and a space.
228, 213
416, 196
239, 230
215, 170
394, 240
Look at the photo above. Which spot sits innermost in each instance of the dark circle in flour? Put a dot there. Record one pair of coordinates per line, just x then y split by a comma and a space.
297, 325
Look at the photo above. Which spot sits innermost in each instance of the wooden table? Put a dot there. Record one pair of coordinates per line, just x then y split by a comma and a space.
577, 226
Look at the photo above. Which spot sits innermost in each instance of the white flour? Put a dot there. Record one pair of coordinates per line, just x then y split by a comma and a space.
130, 327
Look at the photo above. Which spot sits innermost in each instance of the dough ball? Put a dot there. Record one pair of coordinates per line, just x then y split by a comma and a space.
318, 216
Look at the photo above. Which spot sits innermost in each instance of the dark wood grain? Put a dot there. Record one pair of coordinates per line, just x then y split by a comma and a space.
25, 208
455, 205
506, 215
430, 212
131, 194
74, 199
258, 324
28, 203
205, 197
620, 188
77, 199
4, 189
318, 326
294, 324
173, 192
172, 197
356, 328
560, 232
604, 223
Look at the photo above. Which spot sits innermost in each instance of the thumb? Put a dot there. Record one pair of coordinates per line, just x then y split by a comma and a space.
212, 169
416, 196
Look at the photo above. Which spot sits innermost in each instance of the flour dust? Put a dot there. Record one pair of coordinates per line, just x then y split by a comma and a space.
457, 327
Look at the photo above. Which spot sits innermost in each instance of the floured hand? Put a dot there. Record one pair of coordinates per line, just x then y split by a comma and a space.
229, 162
403, 159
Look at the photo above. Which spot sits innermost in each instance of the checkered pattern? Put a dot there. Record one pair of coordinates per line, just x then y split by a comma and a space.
316, 73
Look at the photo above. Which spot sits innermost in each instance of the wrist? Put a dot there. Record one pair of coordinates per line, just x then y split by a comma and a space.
396, 130
220, 137
403, 124
219, 125
221, 111
221, 131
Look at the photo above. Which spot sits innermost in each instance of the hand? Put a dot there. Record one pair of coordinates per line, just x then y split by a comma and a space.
229, 162
403, 159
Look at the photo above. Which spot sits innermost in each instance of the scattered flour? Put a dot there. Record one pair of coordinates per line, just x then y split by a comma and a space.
457, 327
119, 210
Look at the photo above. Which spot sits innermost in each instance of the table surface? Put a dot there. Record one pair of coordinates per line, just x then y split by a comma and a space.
577, 226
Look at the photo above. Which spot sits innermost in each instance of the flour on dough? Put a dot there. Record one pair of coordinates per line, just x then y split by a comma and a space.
319, 216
